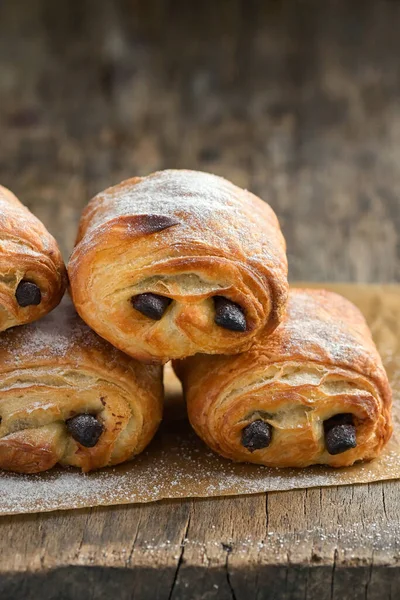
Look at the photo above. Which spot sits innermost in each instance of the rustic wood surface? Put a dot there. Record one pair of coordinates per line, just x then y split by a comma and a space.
296, 100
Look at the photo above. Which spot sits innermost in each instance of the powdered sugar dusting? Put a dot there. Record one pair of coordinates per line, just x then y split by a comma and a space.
201, 195
329, 329
174, 466
52, 336
200, 203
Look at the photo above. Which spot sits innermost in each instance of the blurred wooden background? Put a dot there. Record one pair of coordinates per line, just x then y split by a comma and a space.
296, 100
300, 102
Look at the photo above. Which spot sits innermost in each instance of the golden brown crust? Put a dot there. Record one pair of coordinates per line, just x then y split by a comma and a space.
186, 235
27, 251
320, 362
57, 368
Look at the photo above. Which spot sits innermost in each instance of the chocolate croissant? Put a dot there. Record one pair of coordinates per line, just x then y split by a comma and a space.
179, 262
32, 272
314, 392
69, 397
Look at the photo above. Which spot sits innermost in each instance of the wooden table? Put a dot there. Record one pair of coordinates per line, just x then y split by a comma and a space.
299, 101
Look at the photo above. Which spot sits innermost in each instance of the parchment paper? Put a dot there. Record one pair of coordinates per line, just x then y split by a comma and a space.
178, 465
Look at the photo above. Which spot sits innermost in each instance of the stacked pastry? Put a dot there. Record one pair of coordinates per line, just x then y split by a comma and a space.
185, 266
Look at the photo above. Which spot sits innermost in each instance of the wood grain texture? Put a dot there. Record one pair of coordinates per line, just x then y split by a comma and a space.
297, 101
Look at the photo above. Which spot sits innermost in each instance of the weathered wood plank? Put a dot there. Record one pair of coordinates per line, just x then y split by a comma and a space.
301, 540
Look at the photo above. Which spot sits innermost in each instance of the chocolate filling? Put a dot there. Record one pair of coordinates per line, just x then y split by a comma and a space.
257, 435
28, 294
85, 429
151, 305
229, 315
340, 433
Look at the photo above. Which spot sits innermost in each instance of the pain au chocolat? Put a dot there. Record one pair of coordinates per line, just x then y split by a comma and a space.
179, 262
69, 397
313, 392
32, 272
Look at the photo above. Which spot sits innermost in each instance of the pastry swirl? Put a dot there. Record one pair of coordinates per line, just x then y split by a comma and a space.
69, 397
32, 272
314, 392
179, 262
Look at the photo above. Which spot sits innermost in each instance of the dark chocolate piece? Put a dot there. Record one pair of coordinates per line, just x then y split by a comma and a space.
85, 429
28, 294
229, 315
257, 435
340, 433
151, 305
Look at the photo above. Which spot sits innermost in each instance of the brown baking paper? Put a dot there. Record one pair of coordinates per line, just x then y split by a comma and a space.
178, 465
